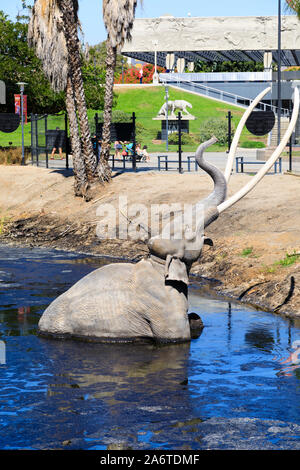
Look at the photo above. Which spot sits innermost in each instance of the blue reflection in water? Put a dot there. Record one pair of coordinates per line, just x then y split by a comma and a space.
225, 389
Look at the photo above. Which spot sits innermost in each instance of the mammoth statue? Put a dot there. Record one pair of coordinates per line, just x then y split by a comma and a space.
181, 105
149, 300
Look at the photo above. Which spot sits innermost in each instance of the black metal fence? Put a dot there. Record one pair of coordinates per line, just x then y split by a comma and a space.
121, 132
49, 132
49, 136
126, 132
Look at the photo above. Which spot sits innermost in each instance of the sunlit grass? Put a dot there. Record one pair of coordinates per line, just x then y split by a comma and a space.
147, 102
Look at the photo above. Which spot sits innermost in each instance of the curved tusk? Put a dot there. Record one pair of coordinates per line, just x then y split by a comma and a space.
269, 163
238, 132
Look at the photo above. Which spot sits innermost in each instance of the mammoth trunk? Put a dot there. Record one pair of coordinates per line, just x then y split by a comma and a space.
219, 192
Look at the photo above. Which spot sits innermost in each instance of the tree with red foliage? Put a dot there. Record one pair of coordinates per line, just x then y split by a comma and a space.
131, 75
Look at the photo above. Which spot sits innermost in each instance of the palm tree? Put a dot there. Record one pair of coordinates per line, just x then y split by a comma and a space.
118, 16
80, 176
47, 34
69, 11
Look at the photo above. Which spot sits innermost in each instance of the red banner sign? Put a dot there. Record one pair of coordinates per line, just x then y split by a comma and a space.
18, 106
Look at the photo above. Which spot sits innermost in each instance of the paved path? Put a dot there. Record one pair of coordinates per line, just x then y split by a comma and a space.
218, 159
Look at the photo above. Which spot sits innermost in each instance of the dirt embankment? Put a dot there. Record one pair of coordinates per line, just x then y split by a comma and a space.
256, 253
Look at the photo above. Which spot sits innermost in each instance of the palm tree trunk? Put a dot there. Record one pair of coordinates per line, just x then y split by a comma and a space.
80, 183
104, 170
69, 10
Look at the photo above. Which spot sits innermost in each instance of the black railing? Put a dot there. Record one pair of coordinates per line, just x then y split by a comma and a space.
43, 139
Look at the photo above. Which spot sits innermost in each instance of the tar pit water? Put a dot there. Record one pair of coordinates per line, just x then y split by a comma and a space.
227, 389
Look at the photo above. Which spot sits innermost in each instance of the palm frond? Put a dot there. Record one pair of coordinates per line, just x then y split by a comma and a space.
293, 5
46, 36
118, 16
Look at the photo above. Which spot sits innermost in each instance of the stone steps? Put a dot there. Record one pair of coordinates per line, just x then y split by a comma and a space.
284, 122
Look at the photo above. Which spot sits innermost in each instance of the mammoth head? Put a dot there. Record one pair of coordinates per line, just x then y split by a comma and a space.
177, 255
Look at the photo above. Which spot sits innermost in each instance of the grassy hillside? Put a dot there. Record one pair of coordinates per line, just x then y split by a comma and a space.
146, 103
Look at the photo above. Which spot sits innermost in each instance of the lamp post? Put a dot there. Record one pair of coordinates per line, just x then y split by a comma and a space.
279, 75
155, 75
22, 86
167, 117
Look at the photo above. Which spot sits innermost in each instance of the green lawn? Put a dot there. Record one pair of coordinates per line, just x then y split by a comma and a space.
16, 137
146, 104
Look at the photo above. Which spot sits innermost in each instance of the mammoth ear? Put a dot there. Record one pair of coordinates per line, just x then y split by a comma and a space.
208, 241
176, 271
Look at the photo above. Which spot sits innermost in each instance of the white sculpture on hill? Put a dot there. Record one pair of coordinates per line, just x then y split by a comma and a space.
179, 105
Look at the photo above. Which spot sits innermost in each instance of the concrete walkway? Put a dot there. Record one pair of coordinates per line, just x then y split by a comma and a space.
218, 159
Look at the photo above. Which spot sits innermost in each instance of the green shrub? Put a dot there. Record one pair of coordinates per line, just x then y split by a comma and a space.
252, 144
185, 138
142, 134
217, 127
289, 259
247, 251
117, 116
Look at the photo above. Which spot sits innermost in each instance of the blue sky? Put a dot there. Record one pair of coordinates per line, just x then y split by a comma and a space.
90, 11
